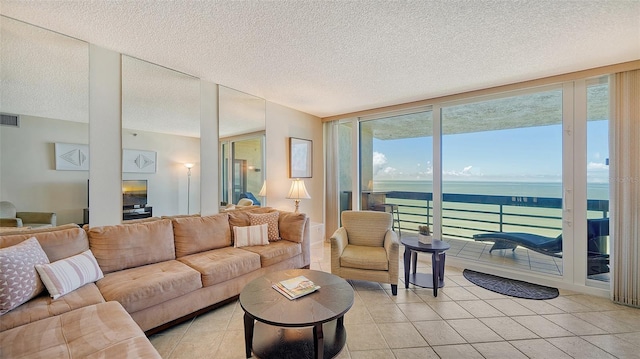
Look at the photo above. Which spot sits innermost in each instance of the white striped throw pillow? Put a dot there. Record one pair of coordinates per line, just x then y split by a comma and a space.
69, 274
250, 235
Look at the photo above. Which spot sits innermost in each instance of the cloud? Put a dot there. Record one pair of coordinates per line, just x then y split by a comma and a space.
596, 166
466, 172
379, 162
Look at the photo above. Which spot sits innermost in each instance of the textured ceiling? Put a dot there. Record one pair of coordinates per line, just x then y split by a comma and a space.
42, 73
157, 99
332, 57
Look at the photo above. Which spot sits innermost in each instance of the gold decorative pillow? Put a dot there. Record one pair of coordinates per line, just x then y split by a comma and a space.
269, 218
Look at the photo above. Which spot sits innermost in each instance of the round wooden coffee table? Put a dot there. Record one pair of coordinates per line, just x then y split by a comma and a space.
307, 327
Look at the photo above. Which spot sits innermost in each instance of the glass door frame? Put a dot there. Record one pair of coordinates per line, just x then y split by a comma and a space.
573, 173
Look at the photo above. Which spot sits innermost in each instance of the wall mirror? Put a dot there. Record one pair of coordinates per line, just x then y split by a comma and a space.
160, 140
242, 132
44, 134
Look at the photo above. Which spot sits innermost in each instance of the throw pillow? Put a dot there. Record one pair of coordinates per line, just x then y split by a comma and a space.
69, 274
19, 280
251, 235
269, 218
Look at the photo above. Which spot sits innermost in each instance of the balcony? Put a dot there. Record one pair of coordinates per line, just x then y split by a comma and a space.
464, 215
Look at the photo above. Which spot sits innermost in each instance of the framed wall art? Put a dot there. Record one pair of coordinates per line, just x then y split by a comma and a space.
138, 161
72, 157
300, 158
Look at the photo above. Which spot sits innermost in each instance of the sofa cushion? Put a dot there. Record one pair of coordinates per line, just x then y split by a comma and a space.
364, 257
19, 280
198, 234
291, 226
251, 235
102, 330
142, 287
275, 252
69, 274
43, 306
125, 246
219, 265
241, 218
271, 219
57, 242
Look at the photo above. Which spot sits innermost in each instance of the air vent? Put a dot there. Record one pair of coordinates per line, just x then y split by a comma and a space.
10, 120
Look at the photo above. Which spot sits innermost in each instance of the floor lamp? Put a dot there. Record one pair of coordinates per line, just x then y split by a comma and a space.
189, 166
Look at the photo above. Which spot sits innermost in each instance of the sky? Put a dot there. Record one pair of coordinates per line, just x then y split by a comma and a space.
532, 154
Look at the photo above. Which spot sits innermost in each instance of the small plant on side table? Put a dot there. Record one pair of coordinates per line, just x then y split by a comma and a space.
424, 234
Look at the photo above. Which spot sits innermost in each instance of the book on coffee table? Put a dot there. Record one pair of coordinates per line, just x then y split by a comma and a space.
295, 287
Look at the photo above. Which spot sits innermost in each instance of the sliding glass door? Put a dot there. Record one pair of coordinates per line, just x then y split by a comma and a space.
396, 167
598, 245
532, 161
502, 172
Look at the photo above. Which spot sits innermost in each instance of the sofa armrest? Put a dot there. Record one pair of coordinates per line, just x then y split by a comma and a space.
306, 242
10, 222
339, 241
37, 217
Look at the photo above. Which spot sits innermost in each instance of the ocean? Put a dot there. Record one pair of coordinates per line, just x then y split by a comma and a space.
524, 189
462, 220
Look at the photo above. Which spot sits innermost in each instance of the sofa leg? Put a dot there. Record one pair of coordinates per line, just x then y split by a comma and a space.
394, 289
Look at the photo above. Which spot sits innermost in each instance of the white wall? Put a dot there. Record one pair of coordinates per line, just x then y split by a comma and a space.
282, 123
169, 182
105, 109
28, 173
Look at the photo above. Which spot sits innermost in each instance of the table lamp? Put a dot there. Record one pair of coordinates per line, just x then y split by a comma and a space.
298, 192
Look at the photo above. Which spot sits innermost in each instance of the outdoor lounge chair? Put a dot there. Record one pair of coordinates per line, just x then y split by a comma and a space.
510, 240
598, 259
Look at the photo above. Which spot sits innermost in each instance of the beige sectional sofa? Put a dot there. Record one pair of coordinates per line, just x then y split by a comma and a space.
156, 273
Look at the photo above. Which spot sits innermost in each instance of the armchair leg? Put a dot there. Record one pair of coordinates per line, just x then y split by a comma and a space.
394, 289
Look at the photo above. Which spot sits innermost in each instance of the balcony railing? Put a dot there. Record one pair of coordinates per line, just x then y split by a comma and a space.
466, 214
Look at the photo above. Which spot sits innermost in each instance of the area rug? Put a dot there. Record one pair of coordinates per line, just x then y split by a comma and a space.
510, 287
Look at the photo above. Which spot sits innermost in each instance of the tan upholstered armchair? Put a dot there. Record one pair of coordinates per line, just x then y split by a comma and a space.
9, 217
366, 248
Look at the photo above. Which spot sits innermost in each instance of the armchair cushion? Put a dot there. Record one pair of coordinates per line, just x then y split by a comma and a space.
366, 228
364, 257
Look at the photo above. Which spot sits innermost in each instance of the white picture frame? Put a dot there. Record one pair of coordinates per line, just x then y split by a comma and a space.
300, 158
71, 157
138, 161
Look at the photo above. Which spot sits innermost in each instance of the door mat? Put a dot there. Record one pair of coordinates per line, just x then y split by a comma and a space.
511, 287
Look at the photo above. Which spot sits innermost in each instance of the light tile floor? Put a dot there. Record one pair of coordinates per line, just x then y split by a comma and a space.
464, 321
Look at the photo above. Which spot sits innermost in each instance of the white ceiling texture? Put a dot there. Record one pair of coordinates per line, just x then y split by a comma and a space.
333, 57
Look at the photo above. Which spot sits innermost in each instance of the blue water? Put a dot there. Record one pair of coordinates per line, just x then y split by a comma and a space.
526, 189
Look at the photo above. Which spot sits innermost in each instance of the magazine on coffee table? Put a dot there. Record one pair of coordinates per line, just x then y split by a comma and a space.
296, 287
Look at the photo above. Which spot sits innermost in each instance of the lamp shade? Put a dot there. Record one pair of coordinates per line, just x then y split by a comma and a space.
298, 190
263, 190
